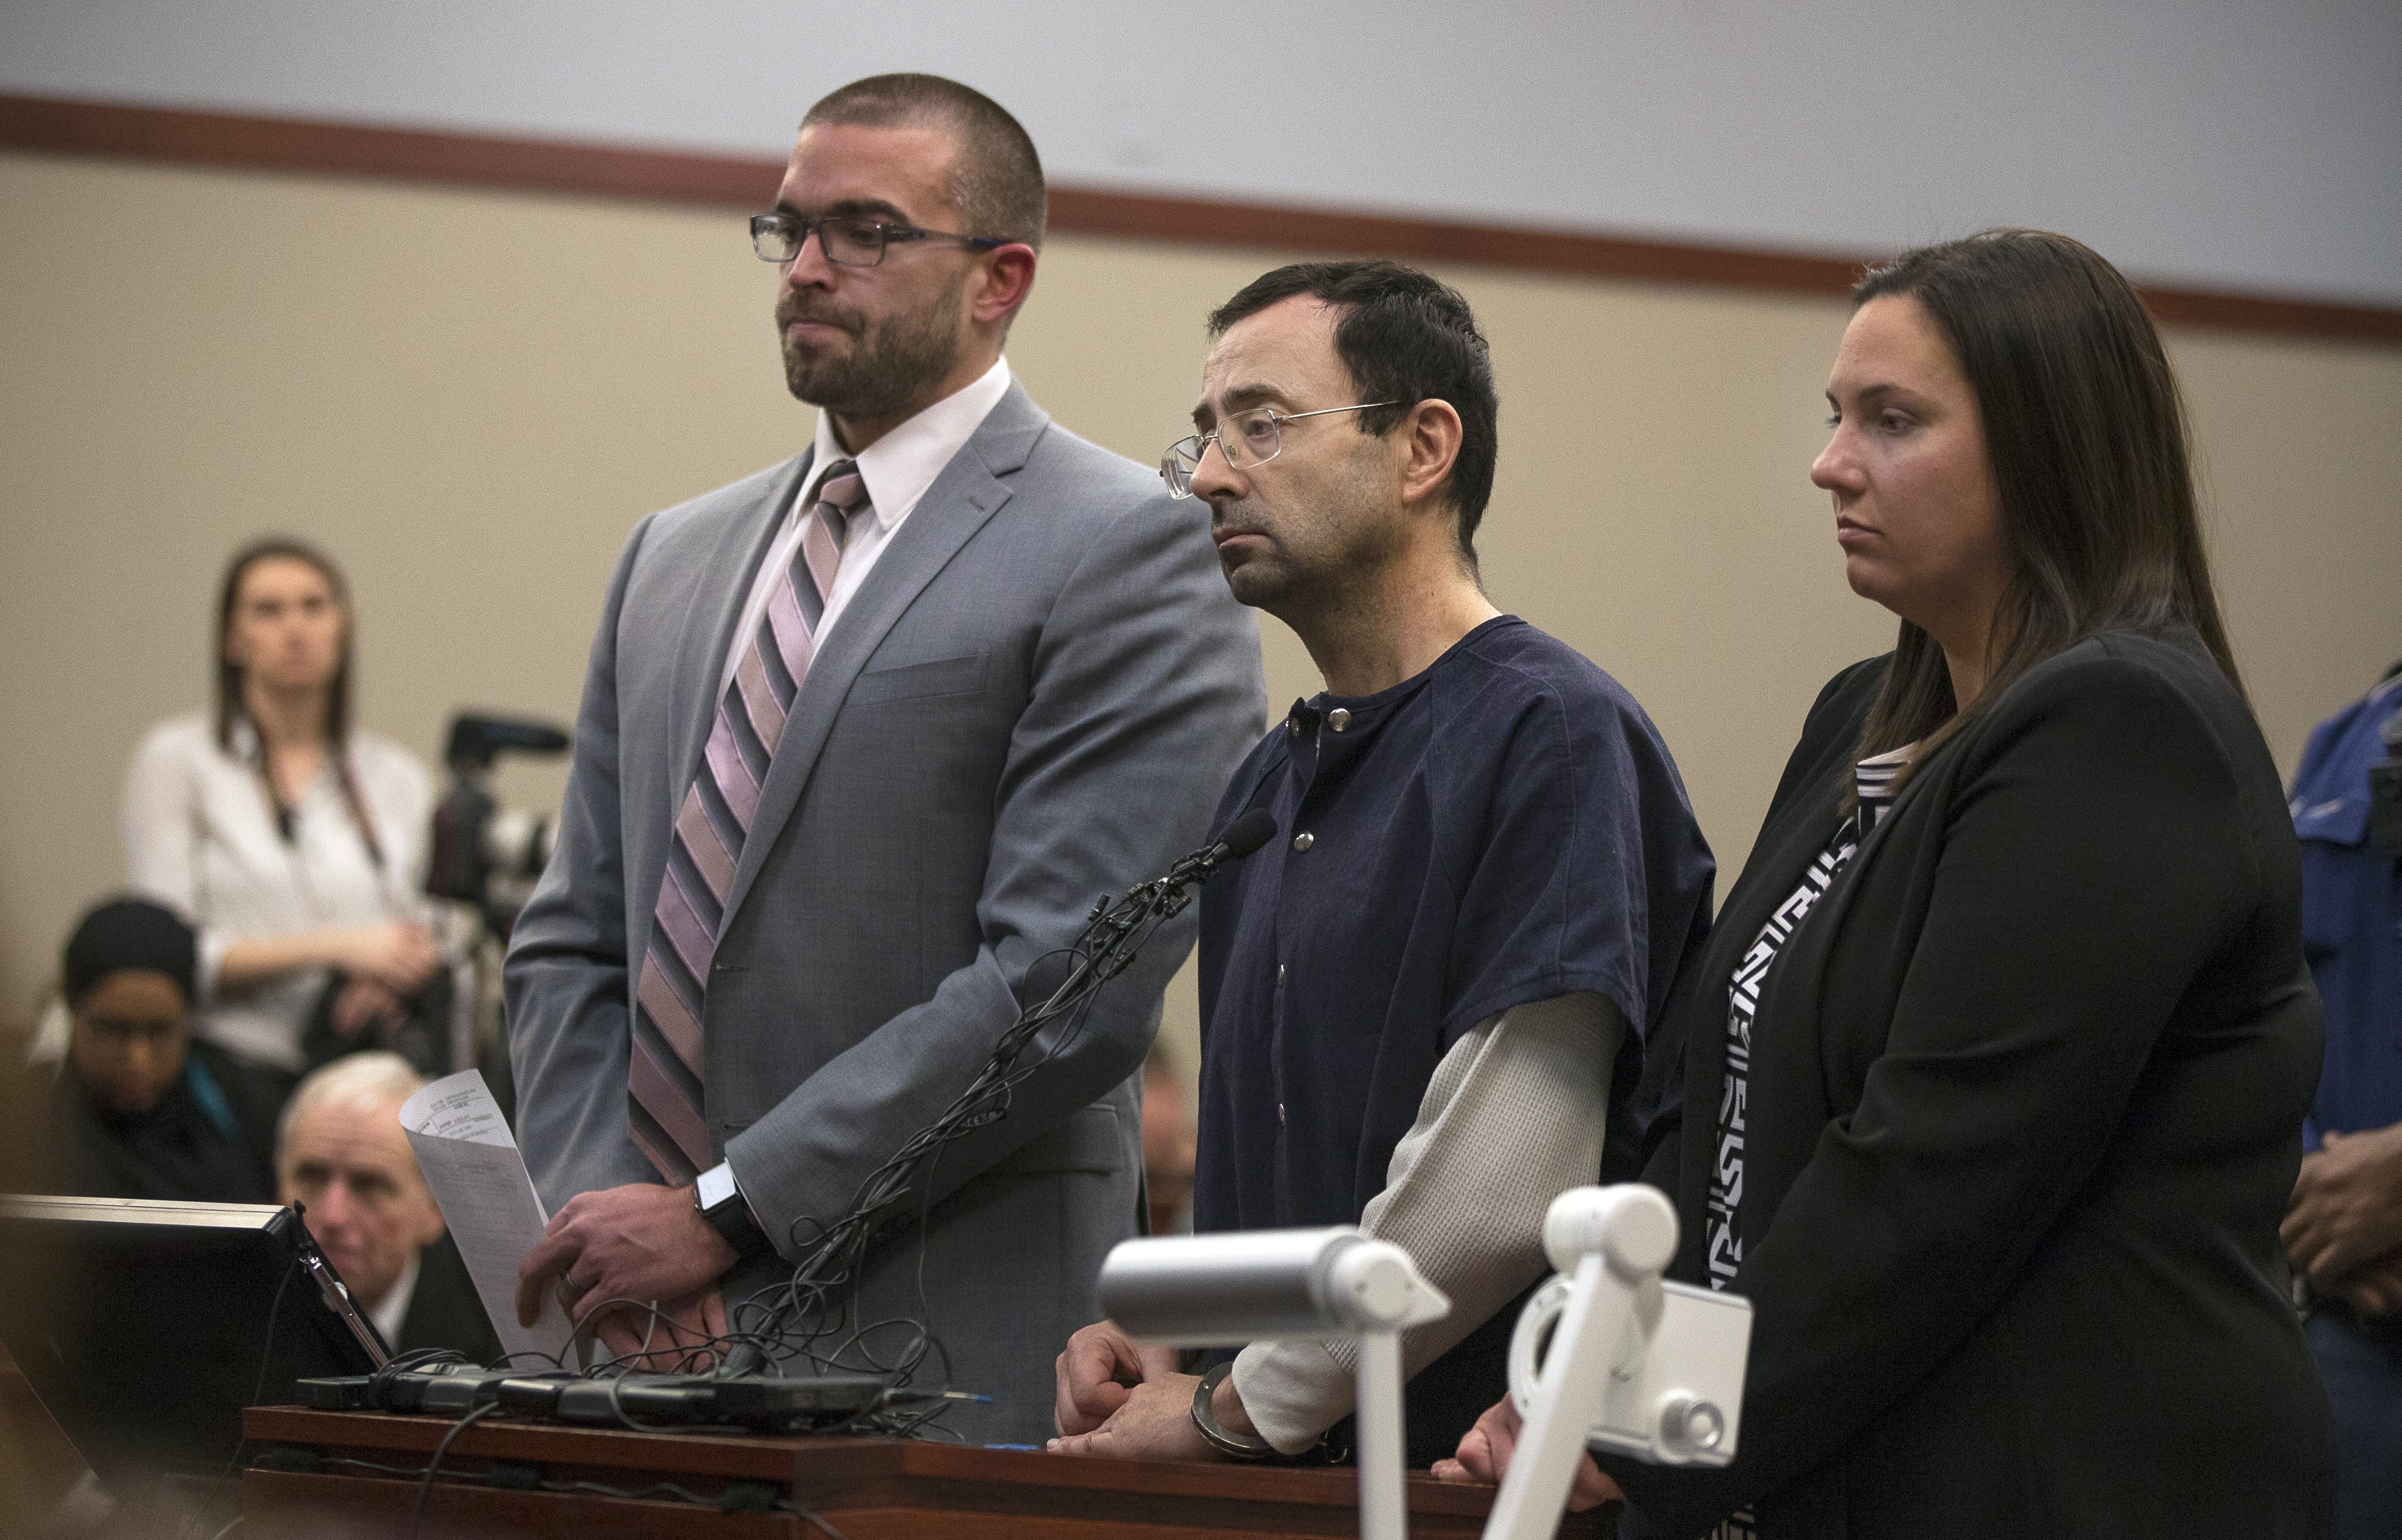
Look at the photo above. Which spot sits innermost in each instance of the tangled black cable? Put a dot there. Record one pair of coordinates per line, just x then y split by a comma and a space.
426, 1488
790, 1321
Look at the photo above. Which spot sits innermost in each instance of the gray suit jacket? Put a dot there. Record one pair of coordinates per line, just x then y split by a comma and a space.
1035, 697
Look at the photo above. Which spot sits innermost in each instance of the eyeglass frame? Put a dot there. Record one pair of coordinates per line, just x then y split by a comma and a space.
886, 234
1277, 419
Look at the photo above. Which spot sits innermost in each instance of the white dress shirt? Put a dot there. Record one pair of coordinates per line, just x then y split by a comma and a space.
393, 1309
897, 468
200, 837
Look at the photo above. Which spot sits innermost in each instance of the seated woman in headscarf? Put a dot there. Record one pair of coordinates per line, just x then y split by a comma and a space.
140, 1108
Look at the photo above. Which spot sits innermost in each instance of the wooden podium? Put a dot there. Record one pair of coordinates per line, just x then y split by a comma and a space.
354, 1476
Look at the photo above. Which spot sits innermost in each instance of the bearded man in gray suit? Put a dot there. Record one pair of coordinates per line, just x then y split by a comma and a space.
862, 737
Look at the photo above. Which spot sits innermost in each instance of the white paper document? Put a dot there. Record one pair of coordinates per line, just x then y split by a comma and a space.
480, 1179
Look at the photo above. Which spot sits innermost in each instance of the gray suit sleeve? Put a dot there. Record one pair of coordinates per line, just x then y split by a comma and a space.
565, 980
1513, 1116
1145, 695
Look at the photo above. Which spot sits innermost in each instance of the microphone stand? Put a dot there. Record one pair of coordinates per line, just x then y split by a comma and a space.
1113, 923
1115, 931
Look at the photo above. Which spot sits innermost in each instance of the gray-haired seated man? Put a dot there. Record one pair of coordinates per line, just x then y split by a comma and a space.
341, 1153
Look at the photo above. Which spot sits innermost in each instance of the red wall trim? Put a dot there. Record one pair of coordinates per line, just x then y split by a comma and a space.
747, 182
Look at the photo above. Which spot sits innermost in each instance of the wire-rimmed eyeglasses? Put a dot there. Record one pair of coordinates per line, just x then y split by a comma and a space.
1255, 439
848, 240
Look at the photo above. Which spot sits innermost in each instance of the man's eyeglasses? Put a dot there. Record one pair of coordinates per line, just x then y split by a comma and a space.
1245, 439
848, 240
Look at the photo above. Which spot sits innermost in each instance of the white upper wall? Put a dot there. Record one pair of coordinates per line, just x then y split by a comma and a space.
2252, 144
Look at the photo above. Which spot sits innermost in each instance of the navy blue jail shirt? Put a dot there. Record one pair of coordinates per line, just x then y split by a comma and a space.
1504, 827
2352, 920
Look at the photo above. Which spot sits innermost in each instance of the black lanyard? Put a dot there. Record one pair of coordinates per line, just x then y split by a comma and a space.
287, 817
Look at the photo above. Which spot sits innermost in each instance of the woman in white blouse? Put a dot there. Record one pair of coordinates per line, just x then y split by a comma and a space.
295, 843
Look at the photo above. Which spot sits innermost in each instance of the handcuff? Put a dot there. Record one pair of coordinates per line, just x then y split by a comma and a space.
1230, 1445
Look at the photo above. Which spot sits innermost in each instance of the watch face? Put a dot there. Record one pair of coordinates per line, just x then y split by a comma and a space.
714, 1187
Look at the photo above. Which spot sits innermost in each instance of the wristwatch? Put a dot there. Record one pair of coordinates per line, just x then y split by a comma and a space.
722, 1208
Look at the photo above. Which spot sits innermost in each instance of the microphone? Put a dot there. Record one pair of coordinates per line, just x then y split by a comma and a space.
1246, 834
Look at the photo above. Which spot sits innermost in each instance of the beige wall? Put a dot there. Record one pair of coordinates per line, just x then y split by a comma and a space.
469, 397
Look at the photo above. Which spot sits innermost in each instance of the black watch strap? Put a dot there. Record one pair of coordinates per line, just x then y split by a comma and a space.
723, 1209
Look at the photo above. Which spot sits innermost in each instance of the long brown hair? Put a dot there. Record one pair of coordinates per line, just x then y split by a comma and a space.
2086, 432
229, 698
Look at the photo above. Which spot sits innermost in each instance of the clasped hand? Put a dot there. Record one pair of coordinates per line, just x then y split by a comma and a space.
612, 1254
2343, 1227
1486, 1449
1118, 1397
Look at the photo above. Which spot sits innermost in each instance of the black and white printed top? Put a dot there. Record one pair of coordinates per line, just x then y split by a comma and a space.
1874, 780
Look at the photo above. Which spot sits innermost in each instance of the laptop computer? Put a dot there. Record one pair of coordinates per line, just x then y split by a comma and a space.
146, 1327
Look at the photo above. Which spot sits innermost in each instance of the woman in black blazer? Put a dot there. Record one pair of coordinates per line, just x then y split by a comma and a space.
2003, 1040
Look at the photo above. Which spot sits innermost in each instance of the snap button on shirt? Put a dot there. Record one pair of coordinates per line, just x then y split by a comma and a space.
1338, 718
1303, 841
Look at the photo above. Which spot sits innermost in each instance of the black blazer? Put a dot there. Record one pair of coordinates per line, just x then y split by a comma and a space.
446, 1311
2024, 1112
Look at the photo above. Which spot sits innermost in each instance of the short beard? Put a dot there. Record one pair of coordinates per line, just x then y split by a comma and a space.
892, 363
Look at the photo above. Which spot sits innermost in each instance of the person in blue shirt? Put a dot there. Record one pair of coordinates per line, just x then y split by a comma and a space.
1445, 991
2345, 1227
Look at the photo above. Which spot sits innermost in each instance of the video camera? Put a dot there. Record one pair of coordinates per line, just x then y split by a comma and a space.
485, 854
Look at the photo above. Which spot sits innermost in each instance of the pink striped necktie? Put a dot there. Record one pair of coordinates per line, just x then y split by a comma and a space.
664, 1076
